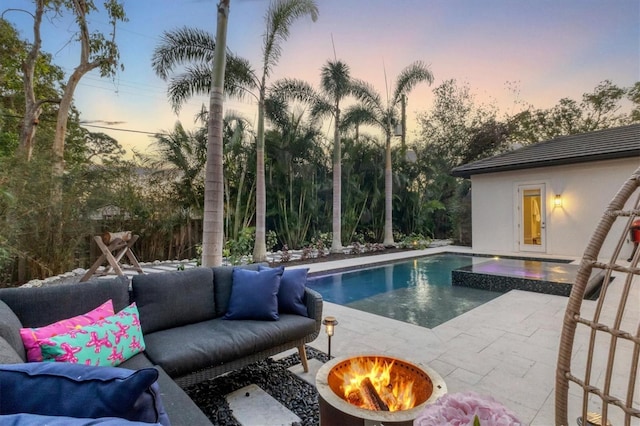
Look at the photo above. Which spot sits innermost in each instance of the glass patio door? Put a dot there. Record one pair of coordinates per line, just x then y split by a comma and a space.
532, 216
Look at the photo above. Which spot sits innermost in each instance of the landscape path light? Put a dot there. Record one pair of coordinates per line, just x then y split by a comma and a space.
329, 323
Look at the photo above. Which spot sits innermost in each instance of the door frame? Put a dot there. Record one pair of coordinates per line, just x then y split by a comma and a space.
518, 190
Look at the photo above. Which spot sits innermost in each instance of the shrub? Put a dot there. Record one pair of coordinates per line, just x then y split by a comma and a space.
285, 256
415, 241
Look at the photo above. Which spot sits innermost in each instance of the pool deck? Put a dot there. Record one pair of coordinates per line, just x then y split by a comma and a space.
506, 348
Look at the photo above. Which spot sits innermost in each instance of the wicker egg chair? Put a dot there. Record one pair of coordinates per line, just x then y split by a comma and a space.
600, 347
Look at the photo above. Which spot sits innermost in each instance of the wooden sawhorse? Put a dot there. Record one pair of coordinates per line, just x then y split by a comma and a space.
121, 243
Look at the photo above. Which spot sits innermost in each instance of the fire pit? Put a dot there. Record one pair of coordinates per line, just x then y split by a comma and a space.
373, 390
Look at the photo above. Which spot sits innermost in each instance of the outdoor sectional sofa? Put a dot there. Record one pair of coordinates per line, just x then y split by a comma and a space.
181, 315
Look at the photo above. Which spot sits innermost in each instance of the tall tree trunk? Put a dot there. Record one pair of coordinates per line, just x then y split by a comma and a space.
32, 108
336, 242
213, 220
63, 117
238, 217
388, 195
260, 246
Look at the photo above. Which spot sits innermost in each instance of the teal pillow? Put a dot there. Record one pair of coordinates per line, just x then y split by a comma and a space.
291, 292
108, 342
254, 295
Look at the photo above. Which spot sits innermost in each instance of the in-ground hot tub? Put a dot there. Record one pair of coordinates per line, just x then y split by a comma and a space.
393, 392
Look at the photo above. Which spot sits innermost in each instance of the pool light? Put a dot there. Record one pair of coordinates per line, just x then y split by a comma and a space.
329, 323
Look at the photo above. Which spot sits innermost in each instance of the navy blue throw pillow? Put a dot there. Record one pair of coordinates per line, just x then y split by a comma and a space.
25, 419
291, 292
254, 295
77, 390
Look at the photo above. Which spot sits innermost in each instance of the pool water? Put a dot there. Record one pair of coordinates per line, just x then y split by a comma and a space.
417, 291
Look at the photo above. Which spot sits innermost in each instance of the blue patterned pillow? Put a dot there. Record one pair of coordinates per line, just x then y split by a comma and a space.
291, 292
254, 295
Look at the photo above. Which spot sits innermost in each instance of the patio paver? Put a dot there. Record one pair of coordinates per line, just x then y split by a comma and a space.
506, 348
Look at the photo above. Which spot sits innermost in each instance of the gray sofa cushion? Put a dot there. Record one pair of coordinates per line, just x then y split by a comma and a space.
10, 331
187, 349
8, 354
57, 302
223, 279
182, 411
171, 299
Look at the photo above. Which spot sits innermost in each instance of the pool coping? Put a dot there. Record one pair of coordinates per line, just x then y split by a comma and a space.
334, 267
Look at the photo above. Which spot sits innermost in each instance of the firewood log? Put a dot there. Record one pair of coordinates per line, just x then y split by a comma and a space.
109, 237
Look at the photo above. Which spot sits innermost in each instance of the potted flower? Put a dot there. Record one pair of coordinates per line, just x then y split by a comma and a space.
466, 409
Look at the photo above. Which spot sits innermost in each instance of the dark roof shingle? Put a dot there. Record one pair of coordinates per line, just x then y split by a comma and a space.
617, 142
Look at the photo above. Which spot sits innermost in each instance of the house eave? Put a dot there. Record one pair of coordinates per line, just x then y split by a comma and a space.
466, 173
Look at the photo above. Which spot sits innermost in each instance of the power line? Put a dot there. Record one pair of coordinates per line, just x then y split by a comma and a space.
96, 126
124, 130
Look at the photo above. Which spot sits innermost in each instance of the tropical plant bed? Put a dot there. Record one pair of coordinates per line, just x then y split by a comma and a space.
330, 257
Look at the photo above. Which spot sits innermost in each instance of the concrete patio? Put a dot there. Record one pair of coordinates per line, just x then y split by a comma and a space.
506, 348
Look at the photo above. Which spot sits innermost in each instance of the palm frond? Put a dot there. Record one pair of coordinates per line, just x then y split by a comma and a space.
322, 108
294, 89
181, 46
366, 94
411, 75
300, 90
195, 80
335, 79
279, 18
239, 76
277, 110
356, 115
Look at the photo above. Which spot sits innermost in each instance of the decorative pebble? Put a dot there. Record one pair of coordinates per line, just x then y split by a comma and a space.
272, 376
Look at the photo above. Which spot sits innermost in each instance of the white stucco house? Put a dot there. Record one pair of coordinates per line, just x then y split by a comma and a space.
546, 199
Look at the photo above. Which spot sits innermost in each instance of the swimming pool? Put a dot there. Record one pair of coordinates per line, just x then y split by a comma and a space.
417, 291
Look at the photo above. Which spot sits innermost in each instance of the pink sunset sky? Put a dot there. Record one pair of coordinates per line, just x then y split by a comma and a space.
549, 49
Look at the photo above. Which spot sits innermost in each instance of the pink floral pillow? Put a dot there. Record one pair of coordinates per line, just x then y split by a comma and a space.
32, 337
108, 342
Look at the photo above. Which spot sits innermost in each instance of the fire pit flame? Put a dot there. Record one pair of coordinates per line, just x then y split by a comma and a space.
375, 389
373, 384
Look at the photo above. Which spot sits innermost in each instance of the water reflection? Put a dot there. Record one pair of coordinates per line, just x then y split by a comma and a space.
418, 291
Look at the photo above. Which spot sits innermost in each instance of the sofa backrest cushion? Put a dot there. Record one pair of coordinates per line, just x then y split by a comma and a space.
9, 326
171, 299
40, 306
8, 354
76, 390
222, 282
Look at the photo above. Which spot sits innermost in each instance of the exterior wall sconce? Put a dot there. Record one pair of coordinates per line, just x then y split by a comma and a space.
329, 323
557, 202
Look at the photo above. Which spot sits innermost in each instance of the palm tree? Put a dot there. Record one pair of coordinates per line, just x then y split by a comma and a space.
294, 160
335, 85
372, 110
181, 157
239, 186
194, 50
213, 218
279, 18
231, 75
